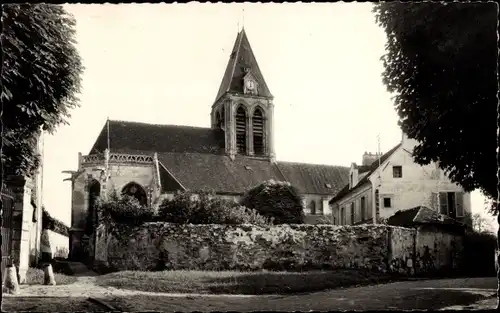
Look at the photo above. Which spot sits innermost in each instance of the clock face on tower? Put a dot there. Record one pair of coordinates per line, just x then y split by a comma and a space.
250, 84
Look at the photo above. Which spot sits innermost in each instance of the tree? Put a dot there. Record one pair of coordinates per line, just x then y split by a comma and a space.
278, 200
40, 77
478, 222
441, 66
41, 74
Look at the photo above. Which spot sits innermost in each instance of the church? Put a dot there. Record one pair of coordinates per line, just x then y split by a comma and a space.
152, 162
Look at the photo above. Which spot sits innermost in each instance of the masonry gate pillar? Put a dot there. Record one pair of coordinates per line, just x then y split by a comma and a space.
22, 216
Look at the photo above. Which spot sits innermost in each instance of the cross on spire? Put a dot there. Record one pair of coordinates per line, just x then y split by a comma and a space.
242, 20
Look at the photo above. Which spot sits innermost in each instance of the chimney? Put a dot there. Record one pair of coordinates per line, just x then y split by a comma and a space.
353, 175
369, 158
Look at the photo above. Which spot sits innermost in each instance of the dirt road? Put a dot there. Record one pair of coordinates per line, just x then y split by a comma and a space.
423, 294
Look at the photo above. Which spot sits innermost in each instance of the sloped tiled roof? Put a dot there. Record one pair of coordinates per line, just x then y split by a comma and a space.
197, 171
219, 173
420, 215
127, 136
242, 57
368, 170
314, 178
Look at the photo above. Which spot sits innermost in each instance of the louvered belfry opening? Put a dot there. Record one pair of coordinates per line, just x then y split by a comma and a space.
241, 130
258, 132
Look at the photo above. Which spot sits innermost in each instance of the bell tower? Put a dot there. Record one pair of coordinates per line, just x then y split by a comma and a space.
244, 106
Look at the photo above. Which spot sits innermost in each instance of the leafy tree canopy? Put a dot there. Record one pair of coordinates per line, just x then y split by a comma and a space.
441, 65
277, 200
41, 74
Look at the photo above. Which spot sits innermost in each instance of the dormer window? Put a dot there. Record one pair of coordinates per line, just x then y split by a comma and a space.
328, 185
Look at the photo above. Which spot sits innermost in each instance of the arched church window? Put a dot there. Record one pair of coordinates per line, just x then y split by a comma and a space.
136, 191
241, 130
258, 131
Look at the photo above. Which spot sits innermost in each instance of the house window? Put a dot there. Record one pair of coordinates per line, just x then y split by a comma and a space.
363, 208
387, 202
397, 171
451, 204
342, 216
352, 213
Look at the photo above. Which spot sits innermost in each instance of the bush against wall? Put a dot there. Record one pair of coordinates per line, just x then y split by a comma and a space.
53, 224
124, 209
203, 207
278, 200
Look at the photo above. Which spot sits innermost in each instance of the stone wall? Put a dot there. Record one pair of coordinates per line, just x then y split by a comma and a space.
156, 246
402, 250
438, 251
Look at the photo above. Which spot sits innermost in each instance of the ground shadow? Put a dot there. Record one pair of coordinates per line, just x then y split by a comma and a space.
50, 304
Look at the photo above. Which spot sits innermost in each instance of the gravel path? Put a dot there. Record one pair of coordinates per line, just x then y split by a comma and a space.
85, 286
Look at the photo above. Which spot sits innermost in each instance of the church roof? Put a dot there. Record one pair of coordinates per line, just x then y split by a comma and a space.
242, 57
195, 171
314, 178
133, 136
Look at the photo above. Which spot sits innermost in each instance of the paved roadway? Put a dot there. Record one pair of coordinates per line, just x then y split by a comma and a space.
407, 295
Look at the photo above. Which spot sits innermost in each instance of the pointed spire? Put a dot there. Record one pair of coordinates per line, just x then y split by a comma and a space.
242, 62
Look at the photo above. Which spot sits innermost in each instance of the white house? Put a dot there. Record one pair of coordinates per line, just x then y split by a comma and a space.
385, 184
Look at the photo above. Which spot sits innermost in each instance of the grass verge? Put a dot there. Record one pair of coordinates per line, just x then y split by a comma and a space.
232, 282
34, 276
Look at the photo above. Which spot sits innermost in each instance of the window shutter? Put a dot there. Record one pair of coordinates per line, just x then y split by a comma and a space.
459, 202
434, 201
369, 207
353, 213
443, 203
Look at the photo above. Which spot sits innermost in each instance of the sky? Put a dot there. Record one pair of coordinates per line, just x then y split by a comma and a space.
163, 63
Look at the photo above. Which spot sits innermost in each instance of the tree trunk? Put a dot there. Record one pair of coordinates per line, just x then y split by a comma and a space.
1, 223
498, 258
497, 206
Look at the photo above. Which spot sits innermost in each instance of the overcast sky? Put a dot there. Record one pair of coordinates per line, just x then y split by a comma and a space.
163, 63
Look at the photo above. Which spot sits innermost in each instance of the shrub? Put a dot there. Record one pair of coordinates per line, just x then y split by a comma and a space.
53, 224
206, 208
479, 252
125, 210
278, 200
